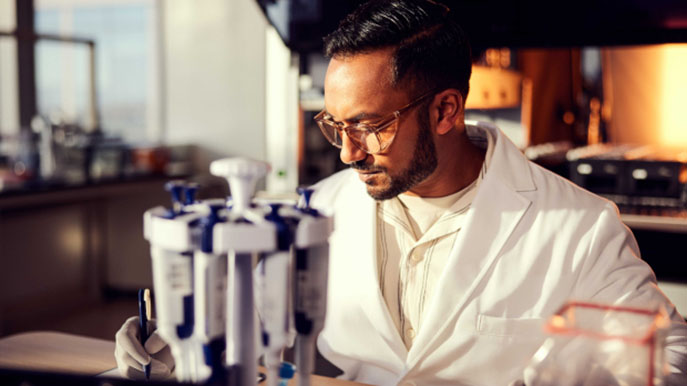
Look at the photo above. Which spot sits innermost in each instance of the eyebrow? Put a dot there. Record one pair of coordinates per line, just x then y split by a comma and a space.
357, 118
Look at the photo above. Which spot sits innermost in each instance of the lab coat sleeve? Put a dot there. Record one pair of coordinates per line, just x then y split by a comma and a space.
613, 273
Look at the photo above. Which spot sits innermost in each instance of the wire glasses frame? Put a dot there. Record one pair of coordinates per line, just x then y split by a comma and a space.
370, 137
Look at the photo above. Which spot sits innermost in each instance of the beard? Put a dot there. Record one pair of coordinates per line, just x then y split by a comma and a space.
422, 164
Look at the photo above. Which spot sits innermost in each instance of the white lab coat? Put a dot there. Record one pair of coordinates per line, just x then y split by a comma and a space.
531, 241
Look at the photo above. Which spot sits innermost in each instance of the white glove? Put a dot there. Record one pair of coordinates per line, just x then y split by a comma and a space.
131, 355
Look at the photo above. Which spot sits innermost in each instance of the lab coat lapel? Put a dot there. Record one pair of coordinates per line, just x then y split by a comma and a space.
492, 218
360, 239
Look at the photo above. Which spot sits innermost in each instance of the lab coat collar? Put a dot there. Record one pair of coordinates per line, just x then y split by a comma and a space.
493, 216
512, 168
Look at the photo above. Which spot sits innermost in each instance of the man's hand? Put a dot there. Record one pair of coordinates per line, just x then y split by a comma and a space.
131, 355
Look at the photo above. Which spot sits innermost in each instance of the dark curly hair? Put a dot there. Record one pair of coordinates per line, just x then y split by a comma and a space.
431, 50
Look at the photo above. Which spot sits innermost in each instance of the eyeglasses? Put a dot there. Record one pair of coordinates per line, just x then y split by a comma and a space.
370, 137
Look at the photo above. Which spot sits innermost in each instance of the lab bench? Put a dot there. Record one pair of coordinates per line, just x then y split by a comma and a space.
662, 239
63, 354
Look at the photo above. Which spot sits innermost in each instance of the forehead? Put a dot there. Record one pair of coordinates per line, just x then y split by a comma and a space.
360, 84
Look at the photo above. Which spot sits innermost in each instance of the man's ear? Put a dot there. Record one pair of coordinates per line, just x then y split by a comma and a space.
448, 106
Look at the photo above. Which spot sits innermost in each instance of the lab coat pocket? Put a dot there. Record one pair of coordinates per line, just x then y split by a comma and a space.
510, 327
506, 344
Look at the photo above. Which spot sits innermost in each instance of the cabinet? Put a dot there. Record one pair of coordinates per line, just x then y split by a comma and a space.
60, 250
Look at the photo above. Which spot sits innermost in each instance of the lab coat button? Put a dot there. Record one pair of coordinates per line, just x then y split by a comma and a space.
410, 333
416, 256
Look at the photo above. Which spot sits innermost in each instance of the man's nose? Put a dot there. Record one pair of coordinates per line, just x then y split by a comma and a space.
349, 151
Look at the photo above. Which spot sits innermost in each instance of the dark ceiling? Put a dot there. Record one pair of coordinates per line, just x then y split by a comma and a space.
501, 23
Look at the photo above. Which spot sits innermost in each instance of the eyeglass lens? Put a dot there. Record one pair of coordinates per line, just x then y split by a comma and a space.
362, 137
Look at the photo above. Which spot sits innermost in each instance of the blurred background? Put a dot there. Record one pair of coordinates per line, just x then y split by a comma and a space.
103, 101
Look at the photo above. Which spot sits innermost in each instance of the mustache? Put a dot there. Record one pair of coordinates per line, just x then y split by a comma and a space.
363, 166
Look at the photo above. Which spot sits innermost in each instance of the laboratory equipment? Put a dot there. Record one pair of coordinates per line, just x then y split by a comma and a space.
173, 238
245, 234
286, 372
204, 256
274, 283
209, 288
310, 283
597, 344
303, 232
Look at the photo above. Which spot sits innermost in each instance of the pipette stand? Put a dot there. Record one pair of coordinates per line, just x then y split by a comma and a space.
237, 233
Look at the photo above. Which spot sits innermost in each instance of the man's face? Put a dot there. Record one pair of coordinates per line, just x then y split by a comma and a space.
358, 89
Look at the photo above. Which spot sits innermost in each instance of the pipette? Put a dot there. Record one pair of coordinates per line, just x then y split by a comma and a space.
310, 283
172, 238
274, 278
245, 234
210, 279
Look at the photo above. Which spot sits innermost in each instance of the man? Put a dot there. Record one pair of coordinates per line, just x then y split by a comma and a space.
450, 249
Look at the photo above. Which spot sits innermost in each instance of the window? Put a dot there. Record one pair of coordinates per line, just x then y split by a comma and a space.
126, 63
9, 108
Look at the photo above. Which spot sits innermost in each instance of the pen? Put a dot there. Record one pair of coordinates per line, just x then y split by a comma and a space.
144, 314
